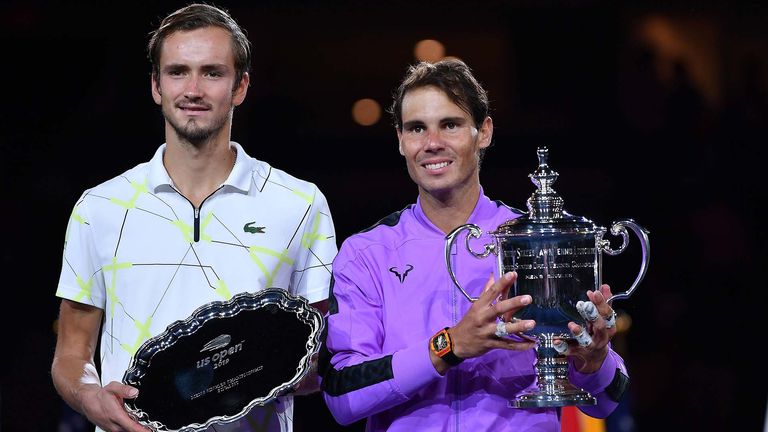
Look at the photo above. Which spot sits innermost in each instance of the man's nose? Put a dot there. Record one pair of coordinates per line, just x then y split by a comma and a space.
192, 89
434, 140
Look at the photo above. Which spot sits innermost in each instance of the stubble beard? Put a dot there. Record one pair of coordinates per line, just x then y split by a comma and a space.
192, 133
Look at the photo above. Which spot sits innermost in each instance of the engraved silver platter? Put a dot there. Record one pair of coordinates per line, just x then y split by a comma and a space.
223, 360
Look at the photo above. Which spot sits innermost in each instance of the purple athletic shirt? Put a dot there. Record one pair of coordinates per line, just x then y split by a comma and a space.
392, 292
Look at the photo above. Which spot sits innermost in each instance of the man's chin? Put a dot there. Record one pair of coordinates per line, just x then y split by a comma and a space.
435, 189
194, 134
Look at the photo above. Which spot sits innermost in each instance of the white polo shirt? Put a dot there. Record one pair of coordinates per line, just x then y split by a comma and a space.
139, 250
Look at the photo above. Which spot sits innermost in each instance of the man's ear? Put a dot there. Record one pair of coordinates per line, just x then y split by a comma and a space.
485, 134
156, 93
400, 141
239, 94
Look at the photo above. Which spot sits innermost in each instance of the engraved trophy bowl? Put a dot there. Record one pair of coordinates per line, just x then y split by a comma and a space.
557, 257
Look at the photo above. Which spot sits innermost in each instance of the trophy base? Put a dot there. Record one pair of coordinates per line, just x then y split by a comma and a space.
565, 395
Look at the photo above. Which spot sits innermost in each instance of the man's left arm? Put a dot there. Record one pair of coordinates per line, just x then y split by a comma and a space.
593, 364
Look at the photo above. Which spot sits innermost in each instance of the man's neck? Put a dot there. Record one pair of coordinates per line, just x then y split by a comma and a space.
450, 210
198, 170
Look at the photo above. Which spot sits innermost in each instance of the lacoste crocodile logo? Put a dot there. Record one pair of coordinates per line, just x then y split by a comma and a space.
401, 277
254, 230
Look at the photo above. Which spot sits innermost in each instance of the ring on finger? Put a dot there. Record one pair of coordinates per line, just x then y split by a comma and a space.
610, 320
501, 329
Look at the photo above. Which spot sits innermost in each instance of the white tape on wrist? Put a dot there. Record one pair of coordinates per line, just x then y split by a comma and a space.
90, 375
610, 320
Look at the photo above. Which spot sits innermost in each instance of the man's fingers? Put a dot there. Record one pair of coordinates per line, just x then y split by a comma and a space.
512, 344
600, 299
606, 291
504, 293
587, 310
511, 305
492, 293
489, 283
130, 392
582, 337
504, 329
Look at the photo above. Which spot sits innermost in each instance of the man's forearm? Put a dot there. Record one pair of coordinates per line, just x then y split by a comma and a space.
70, 376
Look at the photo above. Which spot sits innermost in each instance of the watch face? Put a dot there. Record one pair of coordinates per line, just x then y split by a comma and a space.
441, 342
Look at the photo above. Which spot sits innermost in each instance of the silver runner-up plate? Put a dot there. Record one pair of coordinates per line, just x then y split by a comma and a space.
223, 360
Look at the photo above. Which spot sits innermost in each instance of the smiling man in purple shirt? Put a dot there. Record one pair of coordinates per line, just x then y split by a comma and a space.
405, 349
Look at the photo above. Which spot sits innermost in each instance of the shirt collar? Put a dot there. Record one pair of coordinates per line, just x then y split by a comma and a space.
239, 178
484, 209
241, 175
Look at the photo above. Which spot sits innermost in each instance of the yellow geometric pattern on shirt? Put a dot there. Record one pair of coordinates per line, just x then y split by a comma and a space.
282, 258
138, 189
112, 289
85, 288
143, 335
305, 197
222, 290
77, 218
308, 239
188, 230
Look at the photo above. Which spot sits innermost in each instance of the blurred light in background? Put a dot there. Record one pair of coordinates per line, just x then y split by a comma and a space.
429, 50
366, 112
688, 42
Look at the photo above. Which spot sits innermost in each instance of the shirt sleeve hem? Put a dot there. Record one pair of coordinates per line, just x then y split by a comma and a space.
413, 369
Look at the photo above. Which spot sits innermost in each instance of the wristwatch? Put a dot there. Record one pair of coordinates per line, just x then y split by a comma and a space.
442, 346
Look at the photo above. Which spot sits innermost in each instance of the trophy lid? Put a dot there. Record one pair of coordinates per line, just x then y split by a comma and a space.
545, 206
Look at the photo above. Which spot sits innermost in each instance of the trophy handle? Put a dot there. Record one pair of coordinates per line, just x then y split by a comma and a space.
474, 231
619, 228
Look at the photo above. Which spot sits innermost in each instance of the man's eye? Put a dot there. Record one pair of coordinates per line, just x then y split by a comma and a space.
214, 74
451, 125
416, 129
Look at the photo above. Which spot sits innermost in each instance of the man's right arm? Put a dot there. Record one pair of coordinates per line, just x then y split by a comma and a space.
74, 373
359, 378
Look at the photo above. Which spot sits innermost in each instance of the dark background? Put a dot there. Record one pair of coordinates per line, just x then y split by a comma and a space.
654, 111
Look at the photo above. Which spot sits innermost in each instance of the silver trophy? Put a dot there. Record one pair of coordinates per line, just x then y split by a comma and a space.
557, 257
223, 360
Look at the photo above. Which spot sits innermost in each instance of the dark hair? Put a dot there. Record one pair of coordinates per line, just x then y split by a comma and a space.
452, 77
195, 16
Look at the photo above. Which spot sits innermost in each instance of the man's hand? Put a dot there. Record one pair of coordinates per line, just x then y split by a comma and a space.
591, 343
476, 333
103, 406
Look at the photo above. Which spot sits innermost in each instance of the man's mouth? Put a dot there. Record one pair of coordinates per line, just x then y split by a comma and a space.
193, 108
436, 166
